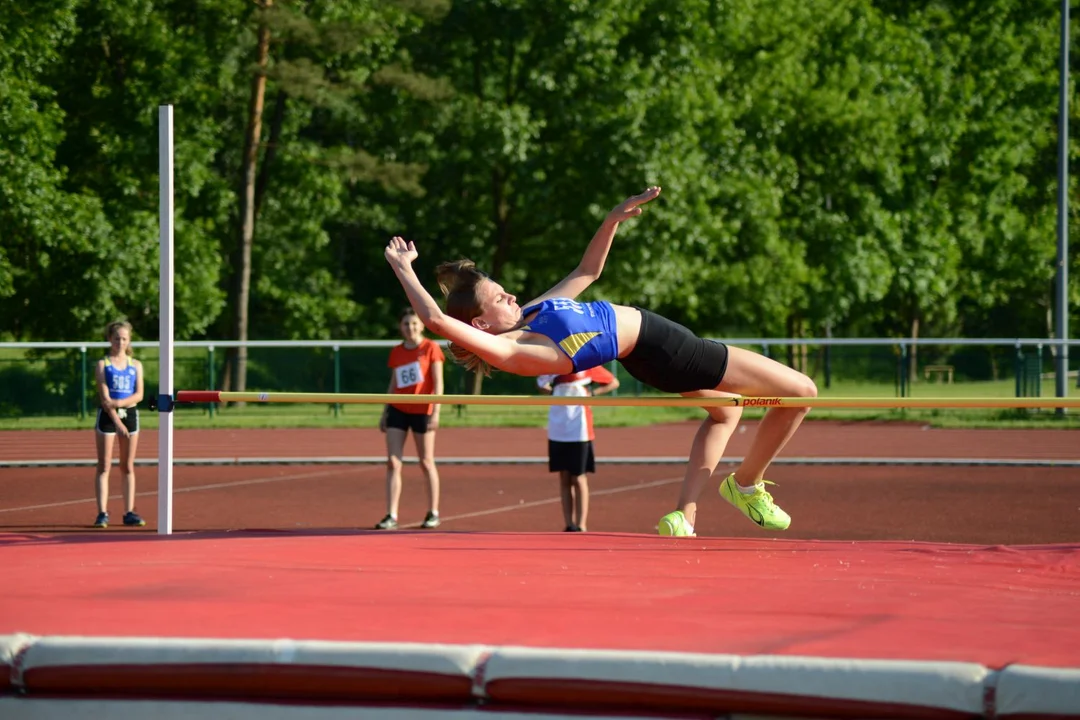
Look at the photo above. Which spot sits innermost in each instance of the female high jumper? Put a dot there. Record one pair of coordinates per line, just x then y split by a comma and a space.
554, 334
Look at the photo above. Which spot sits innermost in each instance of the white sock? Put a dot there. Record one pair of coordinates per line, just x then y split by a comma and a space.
748, 490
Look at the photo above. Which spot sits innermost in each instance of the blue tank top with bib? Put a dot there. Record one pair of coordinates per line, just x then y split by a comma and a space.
120, 381
586, 332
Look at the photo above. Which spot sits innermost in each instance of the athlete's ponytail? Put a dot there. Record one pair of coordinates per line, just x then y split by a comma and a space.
458, 281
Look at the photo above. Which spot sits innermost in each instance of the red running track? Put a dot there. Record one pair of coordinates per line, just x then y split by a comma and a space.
989, 505
983, 565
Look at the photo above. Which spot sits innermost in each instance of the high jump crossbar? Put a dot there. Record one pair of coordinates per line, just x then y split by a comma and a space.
215, 396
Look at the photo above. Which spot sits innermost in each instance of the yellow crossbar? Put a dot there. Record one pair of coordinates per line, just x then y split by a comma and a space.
625, 400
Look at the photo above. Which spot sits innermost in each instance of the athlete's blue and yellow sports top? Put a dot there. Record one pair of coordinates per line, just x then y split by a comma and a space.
586, 332
121, 383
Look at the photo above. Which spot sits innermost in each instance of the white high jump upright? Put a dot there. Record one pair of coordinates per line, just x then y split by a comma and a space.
165, 327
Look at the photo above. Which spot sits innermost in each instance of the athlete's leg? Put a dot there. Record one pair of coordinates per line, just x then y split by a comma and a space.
707, 450
104, 466
749, 373
128, 446
581, 500
425, 450
566, 493
395, 449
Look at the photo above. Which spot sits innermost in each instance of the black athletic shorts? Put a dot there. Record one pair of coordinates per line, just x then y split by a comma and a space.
406, 421
672, 359
128, 416
574, 457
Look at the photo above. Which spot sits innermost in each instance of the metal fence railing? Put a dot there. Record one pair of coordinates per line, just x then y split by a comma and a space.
56, 378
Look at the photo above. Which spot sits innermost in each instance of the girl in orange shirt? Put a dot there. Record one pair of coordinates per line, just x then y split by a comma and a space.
416, 368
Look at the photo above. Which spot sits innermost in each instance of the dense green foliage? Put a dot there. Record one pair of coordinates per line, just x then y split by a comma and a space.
874, 167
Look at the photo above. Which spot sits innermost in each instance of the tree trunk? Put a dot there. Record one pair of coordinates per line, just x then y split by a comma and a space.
791, 354
277, 122
804, 350
797, 355
242, 268
500, 215
913, 358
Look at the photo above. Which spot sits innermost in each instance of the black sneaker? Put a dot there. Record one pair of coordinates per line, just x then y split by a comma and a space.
431, 520
572, 528
387, 523
102, 520
133, 519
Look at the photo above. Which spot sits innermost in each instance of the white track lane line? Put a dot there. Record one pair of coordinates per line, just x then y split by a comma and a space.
215, 486
302, 476
550, 501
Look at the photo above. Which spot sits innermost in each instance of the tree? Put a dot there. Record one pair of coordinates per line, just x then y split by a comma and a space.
54, 260
318, 59
242, 271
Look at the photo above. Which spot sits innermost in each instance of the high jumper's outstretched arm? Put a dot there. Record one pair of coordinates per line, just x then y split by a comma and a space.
495, 350
595, 256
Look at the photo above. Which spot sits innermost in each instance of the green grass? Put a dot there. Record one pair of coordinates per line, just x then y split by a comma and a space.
366, 416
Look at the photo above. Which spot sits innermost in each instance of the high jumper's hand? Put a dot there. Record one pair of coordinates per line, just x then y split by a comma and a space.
399, 253
629, 207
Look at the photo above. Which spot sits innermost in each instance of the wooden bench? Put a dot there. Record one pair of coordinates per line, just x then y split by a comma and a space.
940, 371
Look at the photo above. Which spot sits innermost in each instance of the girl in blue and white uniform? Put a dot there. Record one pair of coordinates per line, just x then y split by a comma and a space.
554, 334
119, 382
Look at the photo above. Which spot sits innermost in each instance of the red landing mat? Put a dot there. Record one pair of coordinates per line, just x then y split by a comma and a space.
901, 601
564, 623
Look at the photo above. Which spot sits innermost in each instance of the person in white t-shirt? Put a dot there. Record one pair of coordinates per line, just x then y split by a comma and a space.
570, 438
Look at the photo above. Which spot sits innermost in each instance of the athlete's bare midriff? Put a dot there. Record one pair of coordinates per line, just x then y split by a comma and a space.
628, 326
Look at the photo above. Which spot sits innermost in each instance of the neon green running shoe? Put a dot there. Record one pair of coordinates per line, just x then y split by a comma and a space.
674, 524
758, 506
